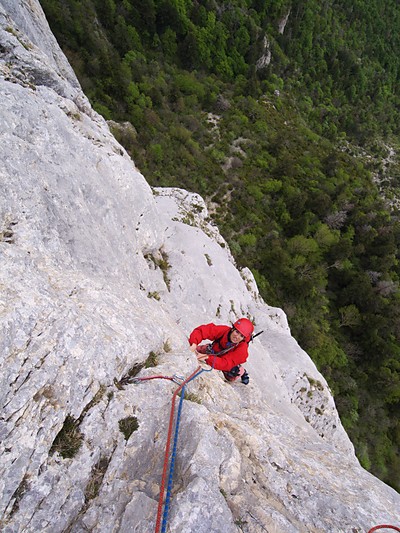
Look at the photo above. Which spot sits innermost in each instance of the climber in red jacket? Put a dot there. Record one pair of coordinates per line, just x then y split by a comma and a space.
228, 349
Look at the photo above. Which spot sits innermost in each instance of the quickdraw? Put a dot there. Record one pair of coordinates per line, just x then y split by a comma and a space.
133, 379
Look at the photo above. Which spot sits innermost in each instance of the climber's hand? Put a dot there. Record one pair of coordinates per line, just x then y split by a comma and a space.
202, 356
193, 348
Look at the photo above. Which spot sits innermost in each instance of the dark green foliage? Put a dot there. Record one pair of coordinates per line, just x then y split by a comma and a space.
96, 479
298, 203
190, 396
69, 439
128, 425
152, 360
135, 369
23, 487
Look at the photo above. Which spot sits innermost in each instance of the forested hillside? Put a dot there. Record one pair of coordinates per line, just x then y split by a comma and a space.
284, 115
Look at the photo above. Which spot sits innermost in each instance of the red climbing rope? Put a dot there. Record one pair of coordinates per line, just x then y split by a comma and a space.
384, 526
182, 382
167, 449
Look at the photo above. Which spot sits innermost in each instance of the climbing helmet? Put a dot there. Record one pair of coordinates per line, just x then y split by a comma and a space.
244, 326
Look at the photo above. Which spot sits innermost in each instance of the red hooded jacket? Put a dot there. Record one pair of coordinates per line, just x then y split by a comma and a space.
212, 332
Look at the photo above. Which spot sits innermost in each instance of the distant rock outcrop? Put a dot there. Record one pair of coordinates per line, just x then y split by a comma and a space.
101, 276
266, 56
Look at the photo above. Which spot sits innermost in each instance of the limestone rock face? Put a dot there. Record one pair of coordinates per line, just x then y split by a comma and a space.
101, 276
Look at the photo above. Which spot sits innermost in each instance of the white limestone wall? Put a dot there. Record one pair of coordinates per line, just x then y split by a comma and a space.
83, 299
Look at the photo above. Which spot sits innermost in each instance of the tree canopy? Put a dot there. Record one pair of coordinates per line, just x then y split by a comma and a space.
284, 115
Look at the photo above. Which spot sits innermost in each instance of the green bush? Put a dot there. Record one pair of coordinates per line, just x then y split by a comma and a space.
69, 439
128, 425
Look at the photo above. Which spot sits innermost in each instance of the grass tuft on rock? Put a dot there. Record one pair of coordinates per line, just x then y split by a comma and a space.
68, 440
128, 425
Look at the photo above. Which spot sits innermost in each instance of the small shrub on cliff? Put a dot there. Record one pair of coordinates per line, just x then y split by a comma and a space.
128, 425
152, 360
69, 439
96, 479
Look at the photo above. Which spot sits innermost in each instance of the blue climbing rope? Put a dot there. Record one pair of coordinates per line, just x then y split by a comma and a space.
174, 449
172, 464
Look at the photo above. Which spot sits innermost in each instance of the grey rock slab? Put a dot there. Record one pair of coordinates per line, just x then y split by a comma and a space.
98, 272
